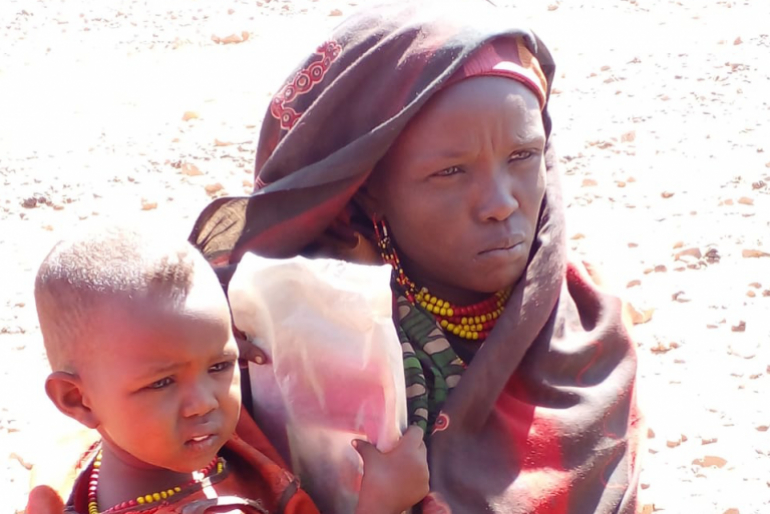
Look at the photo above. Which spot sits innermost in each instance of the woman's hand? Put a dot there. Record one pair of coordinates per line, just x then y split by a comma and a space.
44, 500
248, 352
394, 482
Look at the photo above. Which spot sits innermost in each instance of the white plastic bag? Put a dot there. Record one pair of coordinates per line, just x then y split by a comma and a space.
336, 371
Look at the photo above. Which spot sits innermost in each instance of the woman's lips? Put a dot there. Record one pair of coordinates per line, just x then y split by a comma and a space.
507, 245
506, 253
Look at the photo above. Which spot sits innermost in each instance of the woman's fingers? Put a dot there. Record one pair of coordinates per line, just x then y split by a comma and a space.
44, 500
413, 437
249, 352
366, 450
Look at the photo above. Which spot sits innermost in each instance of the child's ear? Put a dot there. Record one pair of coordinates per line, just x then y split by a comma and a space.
66, 392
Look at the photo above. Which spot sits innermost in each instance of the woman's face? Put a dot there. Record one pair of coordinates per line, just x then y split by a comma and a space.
461, 188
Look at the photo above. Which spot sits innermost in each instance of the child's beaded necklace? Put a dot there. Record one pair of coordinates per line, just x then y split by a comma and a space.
217, 465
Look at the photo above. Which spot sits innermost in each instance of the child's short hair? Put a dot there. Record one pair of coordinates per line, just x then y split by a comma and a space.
84, 274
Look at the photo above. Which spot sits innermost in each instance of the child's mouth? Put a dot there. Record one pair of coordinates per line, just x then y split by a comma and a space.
201, 442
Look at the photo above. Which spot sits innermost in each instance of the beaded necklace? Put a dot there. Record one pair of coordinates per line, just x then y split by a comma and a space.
471, 322
198, 476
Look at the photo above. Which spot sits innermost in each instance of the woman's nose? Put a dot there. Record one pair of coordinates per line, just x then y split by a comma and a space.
497, 199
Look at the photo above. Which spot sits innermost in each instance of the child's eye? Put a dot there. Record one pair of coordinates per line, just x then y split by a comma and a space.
220, 366
160, 384
520, 155
446, 172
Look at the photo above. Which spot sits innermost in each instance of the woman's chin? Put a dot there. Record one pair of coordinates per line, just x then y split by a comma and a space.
492, 281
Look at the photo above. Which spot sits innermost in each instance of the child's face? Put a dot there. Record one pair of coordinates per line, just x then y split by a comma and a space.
165, 385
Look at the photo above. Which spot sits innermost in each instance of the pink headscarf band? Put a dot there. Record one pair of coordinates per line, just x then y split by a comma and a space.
508, 58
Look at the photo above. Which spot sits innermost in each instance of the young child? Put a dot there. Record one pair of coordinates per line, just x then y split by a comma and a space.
138, 334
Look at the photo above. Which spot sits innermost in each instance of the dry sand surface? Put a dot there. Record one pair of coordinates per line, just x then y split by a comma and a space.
146, 110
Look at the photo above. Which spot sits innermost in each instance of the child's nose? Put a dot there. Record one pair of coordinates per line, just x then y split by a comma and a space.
199, 401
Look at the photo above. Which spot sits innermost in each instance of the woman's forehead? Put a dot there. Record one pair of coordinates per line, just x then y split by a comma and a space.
458, 111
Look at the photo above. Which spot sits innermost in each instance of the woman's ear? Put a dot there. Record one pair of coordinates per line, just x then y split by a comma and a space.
66, 392
364, 199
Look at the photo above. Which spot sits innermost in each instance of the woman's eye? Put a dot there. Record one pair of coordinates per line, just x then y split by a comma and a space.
221, 366
162, 383
446, 172
520, 155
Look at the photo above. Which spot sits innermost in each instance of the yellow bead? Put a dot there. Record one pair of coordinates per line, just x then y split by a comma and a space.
464, 321
156, 497
426, 296
140, 500
450, 326
444, 323
483, 318
148, 498
424, 305
431, 308
479, 327
476, 319
442, 312
440, 303
163, 494
463, 333
170, 492
177, 489
456, 331
220, 468
433, 300
450, 312
98, 463
475, 335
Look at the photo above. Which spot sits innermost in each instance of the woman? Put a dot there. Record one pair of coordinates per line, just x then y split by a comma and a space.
419, 134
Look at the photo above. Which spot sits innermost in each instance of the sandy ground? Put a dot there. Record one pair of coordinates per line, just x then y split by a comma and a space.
136, 110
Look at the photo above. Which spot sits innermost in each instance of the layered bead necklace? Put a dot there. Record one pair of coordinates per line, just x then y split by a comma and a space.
471, 322
215, 466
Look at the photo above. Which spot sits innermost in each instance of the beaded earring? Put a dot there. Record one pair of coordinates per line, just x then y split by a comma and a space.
390, 256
